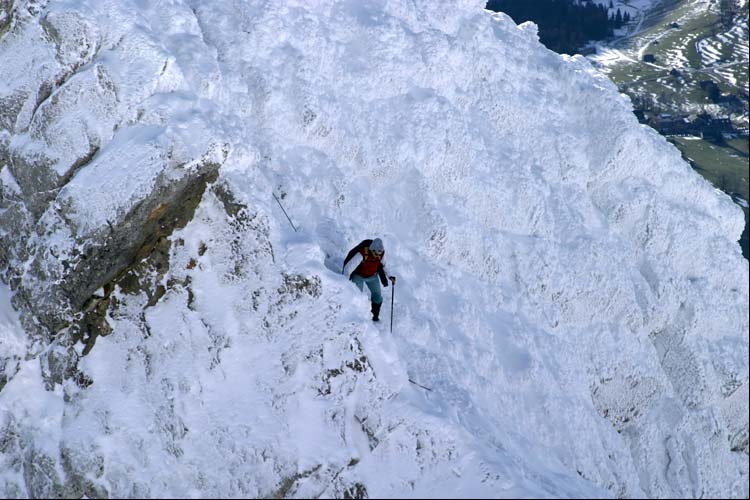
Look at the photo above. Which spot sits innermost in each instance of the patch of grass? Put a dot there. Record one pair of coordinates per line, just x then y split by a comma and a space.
740, 145
723, 166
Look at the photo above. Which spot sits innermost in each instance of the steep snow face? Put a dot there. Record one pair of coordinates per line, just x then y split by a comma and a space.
570, 314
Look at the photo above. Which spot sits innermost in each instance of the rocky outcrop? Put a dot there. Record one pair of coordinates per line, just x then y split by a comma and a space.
736, 413
6, 15
72, 220
94, 254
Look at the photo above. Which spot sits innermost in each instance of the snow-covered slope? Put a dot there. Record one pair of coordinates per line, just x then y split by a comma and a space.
571, 308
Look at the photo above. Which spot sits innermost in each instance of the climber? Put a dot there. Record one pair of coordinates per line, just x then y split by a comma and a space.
367, 261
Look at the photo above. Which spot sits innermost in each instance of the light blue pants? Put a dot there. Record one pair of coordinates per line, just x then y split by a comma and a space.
373, 283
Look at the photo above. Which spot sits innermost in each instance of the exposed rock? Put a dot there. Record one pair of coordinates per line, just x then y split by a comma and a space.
6, 16
100, 254
736, 412
356, 491
60, 145
41, 475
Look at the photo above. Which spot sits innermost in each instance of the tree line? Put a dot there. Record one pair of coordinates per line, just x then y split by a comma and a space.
564, 25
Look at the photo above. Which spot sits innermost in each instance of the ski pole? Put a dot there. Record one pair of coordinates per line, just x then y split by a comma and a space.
420, 385
282, 209
393, 293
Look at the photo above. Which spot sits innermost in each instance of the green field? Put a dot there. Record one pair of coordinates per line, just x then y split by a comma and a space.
723, 166
675, 48
740, 146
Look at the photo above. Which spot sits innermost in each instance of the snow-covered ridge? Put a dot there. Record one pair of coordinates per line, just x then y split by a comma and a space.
570, 292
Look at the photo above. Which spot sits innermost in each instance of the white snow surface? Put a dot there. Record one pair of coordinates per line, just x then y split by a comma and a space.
570, 293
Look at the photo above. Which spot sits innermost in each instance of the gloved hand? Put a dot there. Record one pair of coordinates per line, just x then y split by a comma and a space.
393, 279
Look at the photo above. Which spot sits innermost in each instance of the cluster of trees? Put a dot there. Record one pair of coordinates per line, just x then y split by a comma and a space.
617, 19
564, 25
713, 90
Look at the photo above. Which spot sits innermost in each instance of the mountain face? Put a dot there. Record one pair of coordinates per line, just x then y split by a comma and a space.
570, 316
